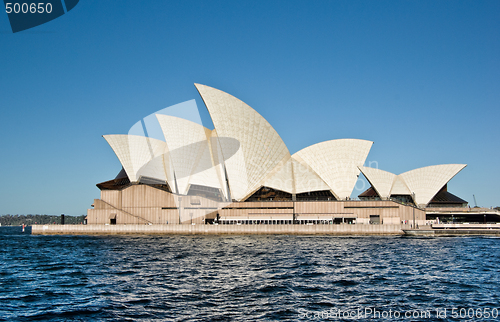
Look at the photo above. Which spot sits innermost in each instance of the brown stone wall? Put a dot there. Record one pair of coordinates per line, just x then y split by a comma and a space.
112, 197
139, 196
139, 204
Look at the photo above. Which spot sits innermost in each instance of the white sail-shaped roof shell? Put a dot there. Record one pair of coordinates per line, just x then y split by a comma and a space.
305, 178
190, 153
426, 182
218, 161
295, 177
336, 162
244, 153
381, 181
399, 187
140, 156
260, 147
282, 178
204, 172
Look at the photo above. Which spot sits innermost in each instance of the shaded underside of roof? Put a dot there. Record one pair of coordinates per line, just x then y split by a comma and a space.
115, 184
269, 194
122, 174
205, 192
369, 193
323, 195
446, 197
121, 181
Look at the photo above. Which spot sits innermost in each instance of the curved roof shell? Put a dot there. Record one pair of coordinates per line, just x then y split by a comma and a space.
139, 156
218, 161
261, 148
244, 153
380, 180
294, 176
190, 153
305, 178
282, 177
426, 182
399, 187
336, 162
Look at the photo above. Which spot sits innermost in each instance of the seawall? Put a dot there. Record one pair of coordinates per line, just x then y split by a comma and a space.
218, 229
447, 230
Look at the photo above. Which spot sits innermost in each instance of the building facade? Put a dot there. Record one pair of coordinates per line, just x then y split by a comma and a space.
241, 172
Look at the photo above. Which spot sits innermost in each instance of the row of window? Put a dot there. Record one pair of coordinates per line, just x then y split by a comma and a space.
288, 222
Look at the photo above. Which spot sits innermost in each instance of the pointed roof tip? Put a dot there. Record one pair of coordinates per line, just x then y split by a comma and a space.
228, 113
200, 88
362, 167
461, 165
162, 118
335, 141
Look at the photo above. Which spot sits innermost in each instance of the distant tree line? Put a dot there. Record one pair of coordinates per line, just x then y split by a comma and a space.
17, 220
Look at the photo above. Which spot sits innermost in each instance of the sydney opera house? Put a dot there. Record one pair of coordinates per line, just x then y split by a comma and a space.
241, 172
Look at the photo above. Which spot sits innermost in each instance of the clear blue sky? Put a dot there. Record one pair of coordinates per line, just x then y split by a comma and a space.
419, 78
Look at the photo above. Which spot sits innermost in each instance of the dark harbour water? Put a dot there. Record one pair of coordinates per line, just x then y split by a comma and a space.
246, 278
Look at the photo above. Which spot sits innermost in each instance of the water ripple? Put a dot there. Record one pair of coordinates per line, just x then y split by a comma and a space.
240, 278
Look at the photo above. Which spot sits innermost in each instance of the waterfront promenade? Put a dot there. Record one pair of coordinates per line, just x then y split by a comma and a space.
186, 229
